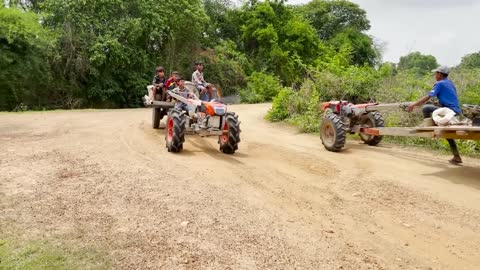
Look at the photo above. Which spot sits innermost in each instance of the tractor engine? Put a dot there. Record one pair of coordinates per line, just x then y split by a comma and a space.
212, 114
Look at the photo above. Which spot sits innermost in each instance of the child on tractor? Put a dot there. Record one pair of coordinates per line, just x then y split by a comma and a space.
181, 90
172, 81
206, 89
158, 84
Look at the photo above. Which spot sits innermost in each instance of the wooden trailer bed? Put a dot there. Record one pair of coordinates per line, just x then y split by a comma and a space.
436, 132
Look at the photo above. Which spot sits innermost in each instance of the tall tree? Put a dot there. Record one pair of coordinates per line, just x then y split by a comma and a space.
330, 17
342, 24
24, 69
471, 61
277, 40
110, 47
222, 24
363, 51
417, 63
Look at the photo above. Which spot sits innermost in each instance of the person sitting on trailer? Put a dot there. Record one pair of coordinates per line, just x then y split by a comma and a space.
158, 84
172, 81
445, 91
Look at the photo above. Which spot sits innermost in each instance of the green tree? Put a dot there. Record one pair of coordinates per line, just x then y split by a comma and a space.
361, 46
110, 47
222, 25
329, 17
471, 61
24, 69
417, 63
278, 41
226, 68
342, 24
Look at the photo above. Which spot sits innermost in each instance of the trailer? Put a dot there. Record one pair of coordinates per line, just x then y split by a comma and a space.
433, 132
342, 118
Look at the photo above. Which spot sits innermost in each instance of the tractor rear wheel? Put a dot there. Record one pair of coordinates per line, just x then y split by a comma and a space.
332, 132
175, 131
156, 118
371, 120
229, 141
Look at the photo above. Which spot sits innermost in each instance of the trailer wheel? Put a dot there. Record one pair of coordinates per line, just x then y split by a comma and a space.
229, 141
332, 132
371, 120
175, 131
156, 117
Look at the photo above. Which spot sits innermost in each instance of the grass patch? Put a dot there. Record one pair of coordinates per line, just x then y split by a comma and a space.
33, 255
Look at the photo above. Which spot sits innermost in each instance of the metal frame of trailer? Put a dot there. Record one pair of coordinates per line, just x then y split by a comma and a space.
434, 132
160, 104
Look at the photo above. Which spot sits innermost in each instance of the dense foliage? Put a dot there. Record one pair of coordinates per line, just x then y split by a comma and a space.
102, 53
24, 69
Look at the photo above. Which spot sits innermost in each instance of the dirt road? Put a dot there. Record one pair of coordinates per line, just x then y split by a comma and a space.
104, 179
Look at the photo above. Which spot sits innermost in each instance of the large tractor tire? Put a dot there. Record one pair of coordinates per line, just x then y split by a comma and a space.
229, 141
332, 132
371, 120
175, 131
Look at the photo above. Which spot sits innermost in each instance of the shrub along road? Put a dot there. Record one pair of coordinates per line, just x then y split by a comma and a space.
104, 180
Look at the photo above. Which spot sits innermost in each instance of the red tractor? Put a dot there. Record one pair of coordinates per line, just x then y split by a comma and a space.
195, 117
202, 118
343, 117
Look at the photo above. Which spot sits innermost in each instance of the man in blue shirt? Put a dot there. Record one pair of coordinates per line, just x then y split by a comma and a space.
445, 91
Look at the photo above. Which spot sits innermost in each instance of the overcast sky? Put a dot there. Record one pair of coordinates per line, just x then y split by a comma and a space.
447, 29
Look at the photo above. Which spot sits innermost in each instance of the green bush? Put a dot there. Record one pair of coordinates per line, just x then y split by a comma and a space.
468, 85
280, 106
261, 87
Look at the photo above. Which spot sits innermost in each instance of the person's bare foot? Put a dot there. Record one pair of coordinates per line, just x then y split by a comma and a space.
456, 160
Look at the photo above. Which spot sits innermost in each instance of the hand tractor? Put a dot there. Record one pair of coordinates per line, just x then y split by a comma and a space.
343, 117
204, 119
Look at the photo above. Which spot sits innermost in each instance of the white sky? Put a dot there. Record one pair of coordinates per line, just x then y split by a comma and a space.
447, 29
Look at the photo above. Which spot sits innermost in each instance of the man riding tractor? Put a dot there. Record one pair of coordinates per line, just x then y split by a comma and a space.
445, 91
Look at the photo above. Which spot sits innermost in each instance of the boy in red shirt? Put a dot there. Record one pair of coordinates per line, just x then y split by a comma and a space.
172, 81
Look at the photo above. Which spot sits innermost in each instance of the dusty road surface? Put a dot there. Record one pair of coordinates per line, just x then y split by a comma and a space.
104, 179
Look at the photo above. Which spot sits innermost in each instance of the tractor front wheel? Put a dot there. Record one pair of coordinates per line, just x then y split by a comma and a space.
231, 137
332, 132
371, 120
175, 131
